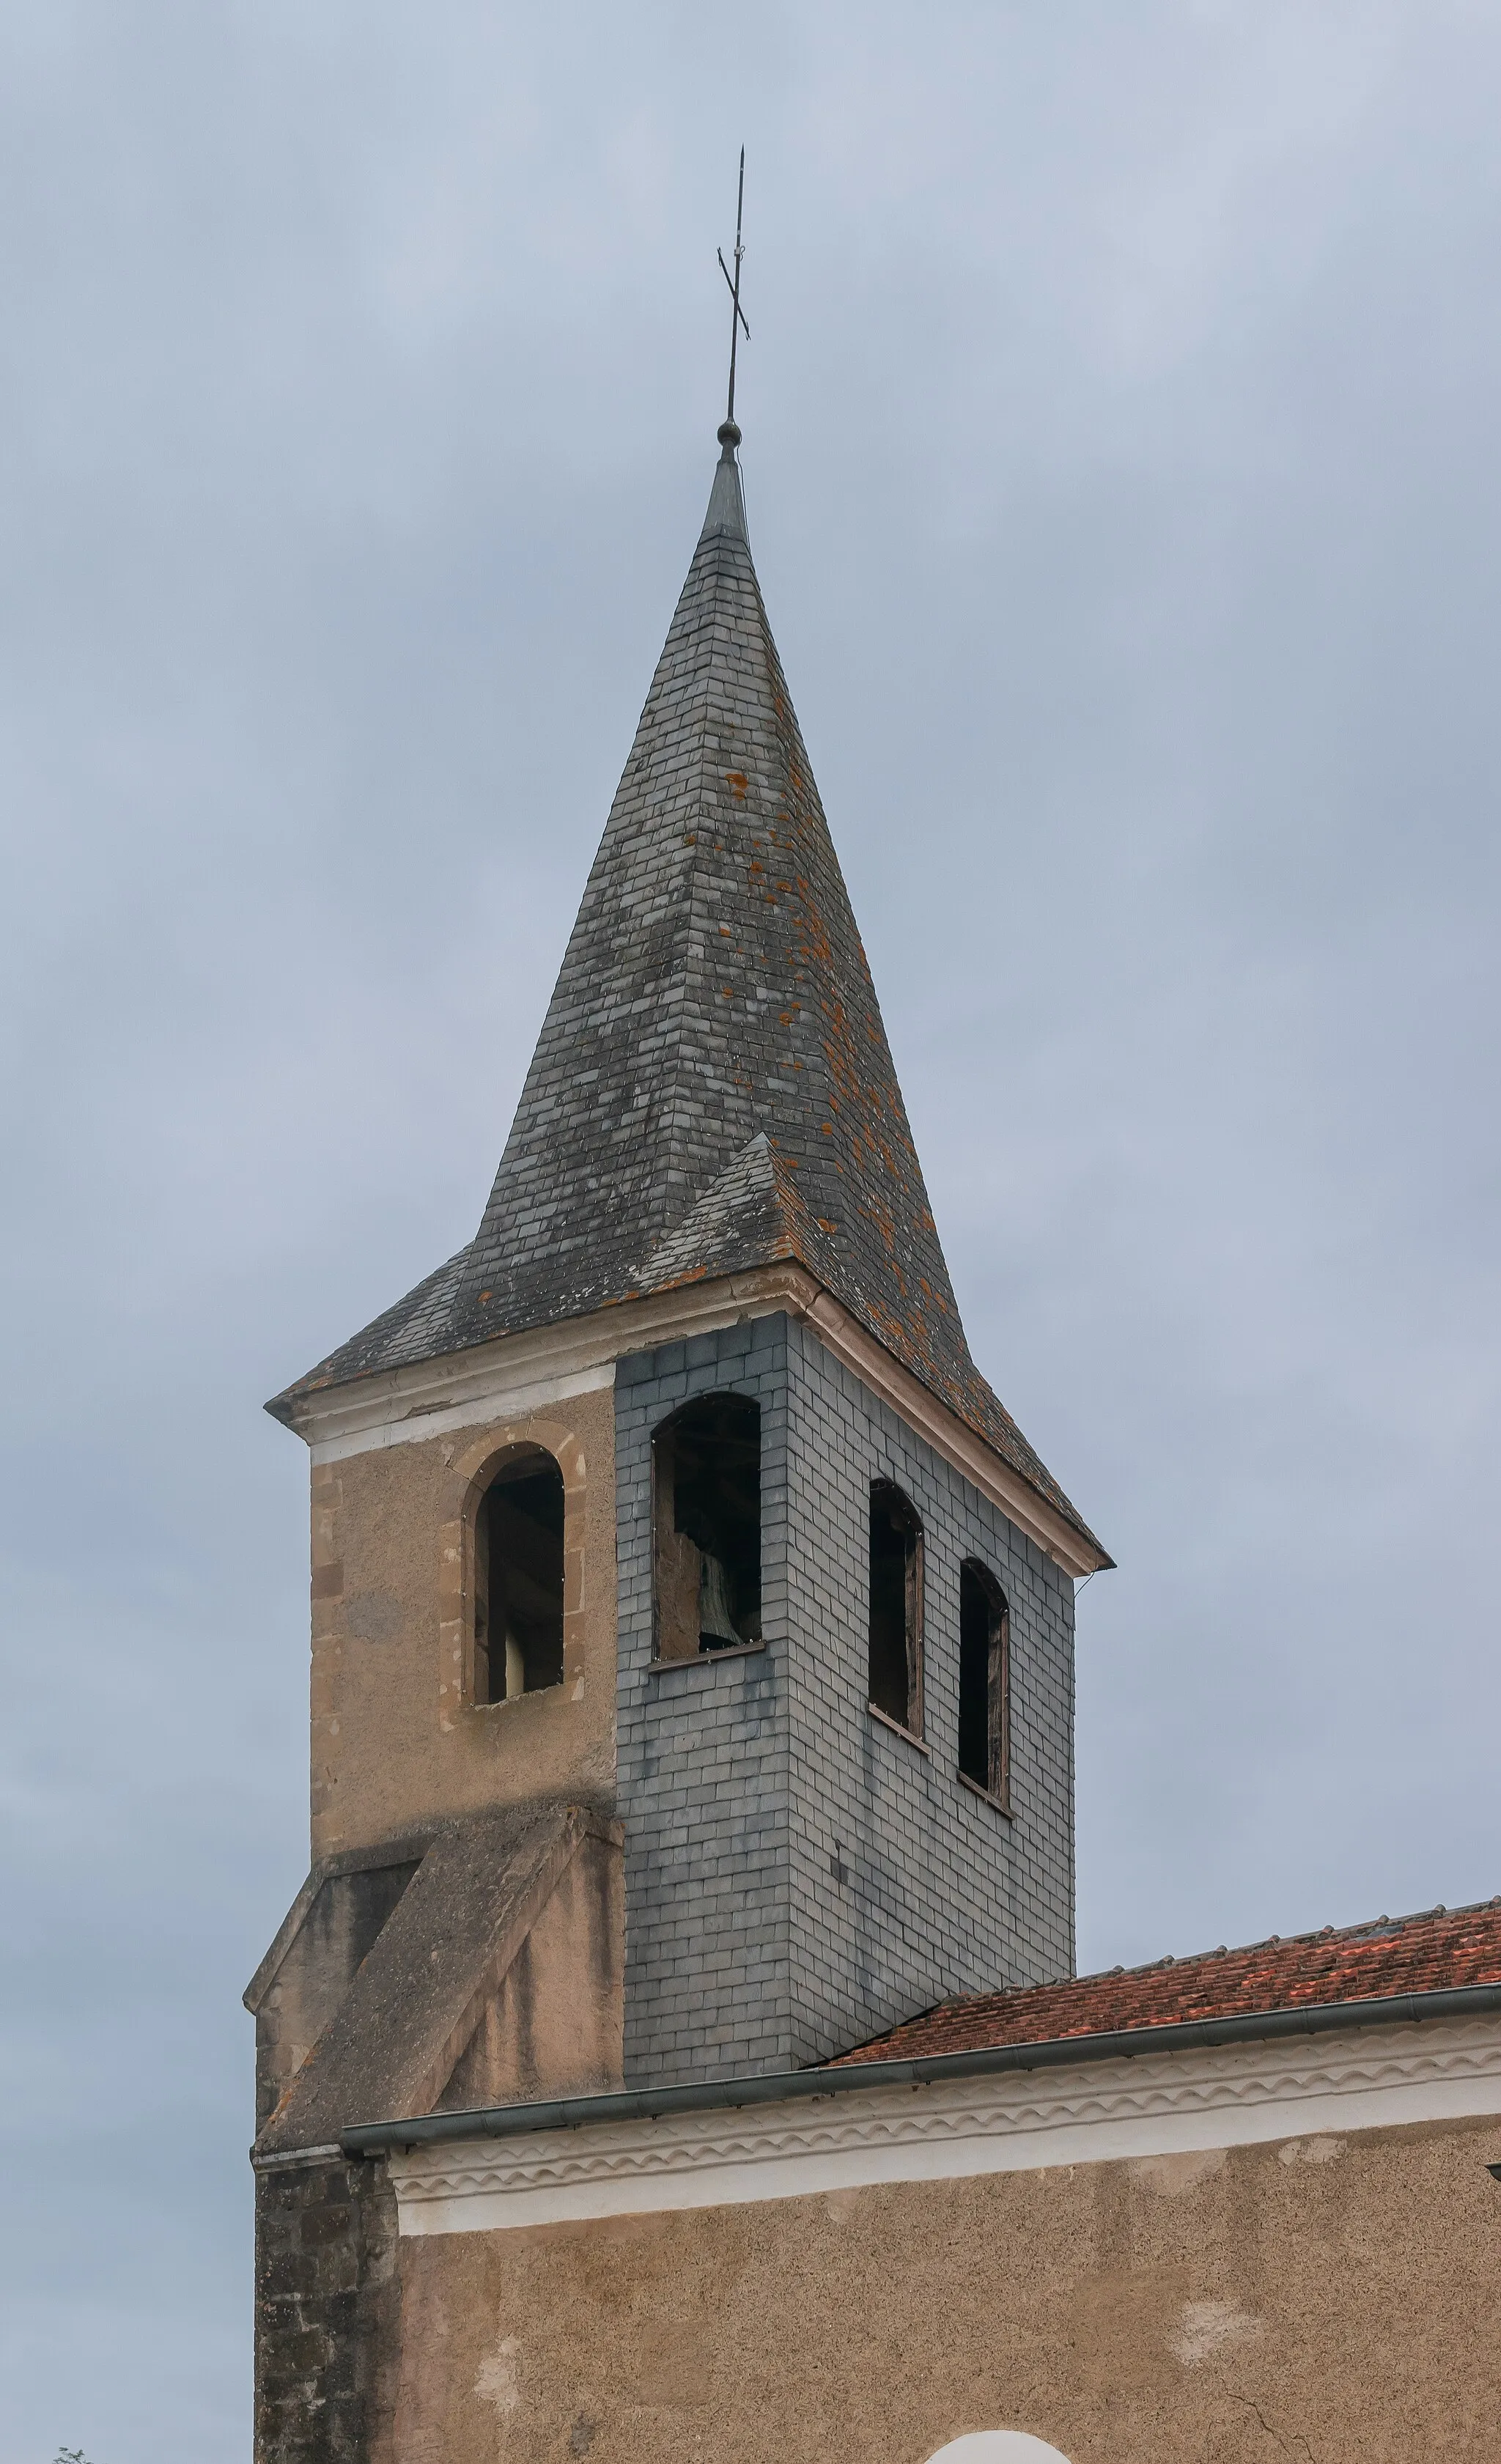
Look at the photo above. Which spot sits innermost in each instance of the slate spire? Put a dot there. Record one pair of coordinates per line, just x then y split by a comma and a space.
712, 1090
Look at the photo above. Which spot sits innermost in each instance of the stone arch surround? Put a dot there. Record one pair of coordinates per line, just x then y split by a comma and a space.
999, 2447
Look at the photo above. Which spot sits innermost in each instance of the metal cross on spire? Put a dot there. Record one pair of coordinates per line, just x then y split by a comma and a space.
737, 324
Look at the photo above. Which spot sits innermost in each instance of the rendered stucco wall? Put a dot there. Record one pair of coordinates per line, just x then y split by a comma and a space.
397, 1742
1315, 2301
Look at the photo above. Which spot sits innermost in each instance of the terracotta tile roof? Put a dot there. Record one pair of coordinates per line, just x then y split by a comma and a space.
1427, 1953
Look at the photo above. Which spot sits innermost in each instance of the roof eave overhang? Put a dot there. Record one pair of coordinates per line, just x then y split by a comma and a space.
842, 2078
496, 1378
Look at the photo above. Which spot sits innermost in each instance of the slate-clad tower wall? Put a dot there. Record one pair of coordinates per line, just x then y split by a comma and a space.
703, 1749
907, 1888
799, 1877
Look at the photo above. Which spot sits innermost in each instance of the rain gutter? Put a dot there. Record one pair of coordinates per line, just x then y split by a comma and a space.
783, 2087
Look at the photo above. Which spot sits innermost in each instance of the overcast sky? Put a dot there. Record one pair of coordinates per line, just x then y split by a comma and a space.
1120, 446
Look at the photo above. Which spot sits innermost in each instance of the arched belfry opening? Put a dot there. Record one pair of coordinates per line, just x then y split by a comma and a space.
895, 1608
519, 1580
706, 1526
985, 1683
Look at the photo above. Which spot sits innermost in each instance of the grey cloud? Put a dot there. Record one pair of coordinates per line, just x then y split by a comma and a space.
1119, 444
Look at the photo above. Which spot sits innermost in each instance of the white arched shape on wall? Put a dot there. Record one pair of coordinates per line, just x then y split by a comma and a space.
999, 2447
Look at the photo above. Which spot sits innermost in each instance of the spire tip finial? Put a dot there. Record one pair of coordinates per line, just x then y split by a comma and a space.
729, 437
737, 324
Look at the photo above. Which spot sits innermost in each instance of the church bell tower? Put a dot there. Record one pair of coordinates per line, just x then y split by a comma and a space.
692, 1652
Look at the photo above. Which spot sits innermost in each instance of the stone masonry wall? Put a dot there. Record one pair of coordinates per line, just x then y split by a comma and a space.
327, 2309
798, 1876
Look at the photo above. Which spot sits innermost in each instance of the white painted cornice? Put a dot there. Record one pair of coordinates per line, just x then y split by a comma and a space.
1302, 2088
522, 1374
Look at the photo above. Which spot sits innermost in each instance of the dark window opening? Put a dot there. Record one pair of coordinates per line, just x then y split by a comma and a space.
985, 1683
895, 1608
706, 1521
518, 1581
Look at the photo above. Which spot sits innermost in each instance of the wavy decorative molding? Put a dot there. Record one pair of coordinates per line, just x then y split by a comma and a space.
1158, 2105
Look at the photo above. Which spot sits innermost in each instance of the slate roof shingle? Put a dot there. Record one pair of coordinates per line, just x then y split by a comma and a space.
1431, 1952
713, 1088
